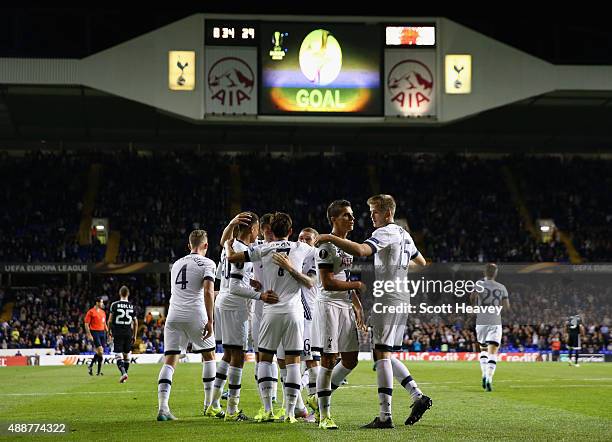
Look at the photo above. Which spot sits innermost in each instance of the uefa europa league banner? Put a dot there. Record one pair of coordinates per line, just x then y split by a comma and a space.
230, 81
410, 83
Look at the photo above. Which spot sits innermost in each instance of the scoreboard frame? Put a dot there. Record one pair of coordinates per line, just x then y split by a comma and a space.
255, 22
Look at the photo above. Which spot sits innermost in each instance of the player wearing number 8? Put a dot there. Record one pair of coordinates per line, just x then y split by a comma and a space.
282, 322
123, 326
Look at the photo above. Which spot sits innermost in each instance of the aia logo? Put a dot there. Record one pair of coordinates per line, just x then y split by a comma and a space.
231, 81
410, 85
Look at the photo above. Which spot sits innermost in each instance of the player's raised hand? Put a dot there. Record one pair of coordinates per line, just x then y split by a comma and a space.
208, 330
269, 297
323, 238
243, 218
282, 260
256, 285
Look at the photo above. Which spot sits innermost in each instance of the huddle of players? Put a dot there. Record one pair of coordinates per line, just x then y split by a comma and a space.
302, 302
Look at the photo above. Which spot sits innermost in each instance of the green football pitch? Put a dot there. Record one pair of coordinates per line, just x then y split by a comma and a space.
530, 401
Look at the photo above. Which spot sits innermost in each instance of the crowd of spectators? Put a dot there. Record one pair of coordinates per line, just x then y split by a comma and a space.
41, 200
574, 193
458, 207
52, 317
539, 310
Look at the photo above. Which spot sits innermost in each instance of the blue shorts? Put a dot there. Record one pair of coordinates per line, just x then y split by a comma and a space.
99, 338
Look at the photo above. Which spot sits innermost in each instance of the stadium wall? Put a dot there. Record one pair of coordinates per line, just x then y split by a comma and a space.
7, 358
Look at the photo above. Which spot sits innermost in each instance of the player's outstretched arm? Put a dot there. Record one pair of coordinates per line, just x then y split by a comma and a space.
231, 255
418, 261
239, 288
351, 247
282, 260
242, 218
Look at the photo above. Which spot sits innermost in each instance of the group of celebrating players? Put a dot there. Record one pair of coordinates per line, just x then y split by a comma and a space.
300, 304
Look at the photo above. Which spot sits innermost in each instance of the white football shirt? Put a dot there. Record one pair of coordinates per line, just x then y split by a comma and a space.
276, 278
309, 295
187, 295
243, 271
330, 257
393, 249
491, 294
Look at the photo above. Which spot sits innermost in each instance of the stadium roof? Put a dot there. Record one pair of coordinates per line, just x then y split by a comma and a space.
81, 116
558, 121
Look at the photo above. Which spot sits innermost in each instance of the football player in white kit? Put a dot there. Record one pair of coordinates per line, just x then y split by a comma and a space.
393, 249
489, 325
212, 406
283, 322
190, 317
233, 312
337, 322
311, 356
265, 236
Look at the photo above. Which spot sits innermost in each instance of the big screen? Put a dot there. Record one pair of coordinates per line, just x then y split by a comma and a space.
316, 68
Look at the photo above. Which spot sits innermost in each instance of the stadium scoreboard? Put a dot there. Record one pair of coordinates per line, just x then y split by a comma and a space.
304, 68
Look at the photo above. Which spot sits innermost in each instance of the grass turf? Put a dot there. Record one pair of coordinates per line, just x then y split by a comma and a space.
530, 401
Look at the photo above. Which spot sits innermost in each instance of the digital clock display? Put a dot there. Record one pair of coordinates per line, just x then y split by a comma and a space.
229, 32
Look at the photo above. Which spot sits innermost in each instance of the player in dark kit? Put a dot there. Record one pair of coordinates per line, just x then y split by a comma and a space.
123, 327
574, 329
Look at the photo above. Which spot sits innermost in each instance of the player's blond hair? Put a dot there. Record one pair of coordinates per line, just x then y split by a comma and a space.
310, 230
383, 203
197, 237
490, 270
266, 219
124, 291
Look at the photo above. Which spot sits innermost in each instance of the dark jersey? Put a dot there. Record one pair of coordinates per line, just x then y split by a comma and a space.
123, 317
573, 325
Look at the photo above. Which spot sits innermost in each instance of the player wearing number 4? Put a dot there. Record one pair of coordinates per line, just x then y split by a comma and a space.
393, 250
283, 322
123, 327
190, 317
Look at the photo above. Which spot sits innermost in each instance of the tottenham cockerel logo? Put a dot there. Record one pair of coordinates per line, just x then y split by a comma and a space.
231, 81
410, 85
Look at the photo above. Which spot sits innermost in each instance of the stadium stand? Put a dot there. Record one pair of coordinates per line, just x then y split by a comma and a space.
465, 213
52, 317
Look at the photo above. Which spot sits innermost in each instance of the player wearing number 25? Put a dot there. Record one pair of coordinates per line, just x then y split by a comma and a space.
123, 327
